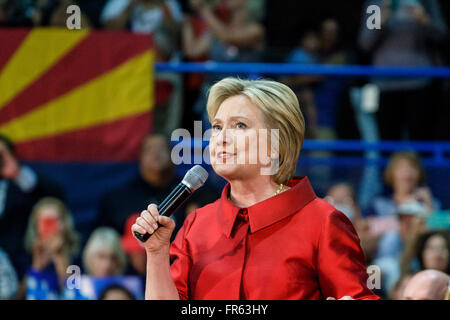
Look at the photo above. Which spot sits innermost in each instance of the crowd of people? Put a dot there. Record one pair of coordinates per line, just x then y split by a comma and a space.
393, 230
39, 240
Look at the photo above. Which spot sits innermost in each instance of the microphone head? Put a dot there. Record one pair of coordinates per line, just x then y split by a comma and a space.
195, 177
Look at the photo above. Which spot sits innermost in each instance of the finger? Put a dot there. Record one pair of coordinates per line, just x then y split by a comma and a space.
166, 221
149, 218
153, 209
144, 224
137, 228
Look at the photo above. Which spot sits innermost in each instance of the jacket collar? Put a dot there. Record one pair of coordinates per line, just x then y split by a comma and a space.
269, 211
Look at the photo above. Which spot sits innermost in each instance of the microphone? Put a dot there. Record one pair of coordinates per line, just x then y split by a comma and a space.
194, 179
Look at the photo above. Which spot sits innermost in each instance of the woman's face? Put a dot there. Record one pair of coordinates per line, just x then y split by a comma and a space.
234, 147
436, 254
103, 264
405, 176
155, 154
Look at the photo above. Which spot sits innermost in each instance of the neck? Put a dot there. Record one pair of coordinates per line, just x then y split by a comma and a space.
251, 191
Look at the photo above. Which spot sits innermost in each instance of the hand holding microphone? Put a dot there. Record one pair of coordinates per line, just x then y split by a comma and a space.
159, 228
154, 223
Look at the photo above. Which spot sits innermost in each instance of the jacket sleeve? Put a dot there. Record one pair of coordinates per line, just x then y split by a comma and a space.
181, 258
341, 262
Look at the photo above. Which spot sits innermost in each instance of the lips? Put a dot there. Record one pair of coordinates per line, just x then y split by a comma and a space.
224, 155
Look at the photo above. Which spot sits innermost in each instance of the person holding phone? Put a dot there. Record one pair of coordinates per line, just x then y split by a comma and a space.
52, 241
409, 35
21, 187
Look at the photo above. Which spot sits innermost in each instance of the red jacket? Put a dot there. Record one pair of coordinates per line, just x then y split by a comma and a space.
290, 246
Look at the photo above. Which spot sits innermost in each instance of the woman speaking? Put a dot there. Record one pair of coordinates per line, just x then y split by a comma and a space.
268, 236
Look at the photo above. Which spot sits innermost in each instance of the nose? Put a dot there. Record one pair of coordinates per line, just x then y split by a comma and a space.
224, 137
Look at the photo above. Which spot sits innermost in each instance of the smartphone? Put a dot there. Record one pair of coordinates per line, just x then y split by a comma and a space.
47, 227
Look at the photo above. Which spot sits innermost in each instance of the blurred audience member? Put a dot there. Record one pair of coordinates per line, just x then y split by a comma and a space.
307, 50
162, 18
429, 250
328, 93
239, 37
434, 251
342, 197
406, 176
306, 53
428, 285
330, 44
134, 250
53, 242
409, 33
20, 188
116, 292
398, 289
410, 222
232, 40
103, 255
8, 278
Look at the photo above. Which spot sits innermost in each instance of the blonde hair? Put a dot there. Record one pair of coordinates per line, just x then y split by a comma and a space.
281, 110
413, 158
105, 238
71, 238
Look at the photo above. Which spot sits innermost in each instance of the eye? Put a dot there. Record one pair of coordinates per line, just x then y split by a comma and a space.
216, 127
241, 125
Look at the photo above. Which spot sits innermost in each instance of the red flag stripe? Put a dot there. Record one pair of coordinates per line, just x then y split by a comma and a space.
10, 40
114, 141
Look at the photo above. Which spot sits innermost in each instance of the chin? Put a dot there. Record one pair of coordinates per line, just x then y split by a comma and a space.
228, 171
235, 171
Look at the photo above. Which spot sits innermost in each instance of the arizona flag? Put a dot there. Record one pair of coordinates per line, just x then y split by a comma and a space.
75, 95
